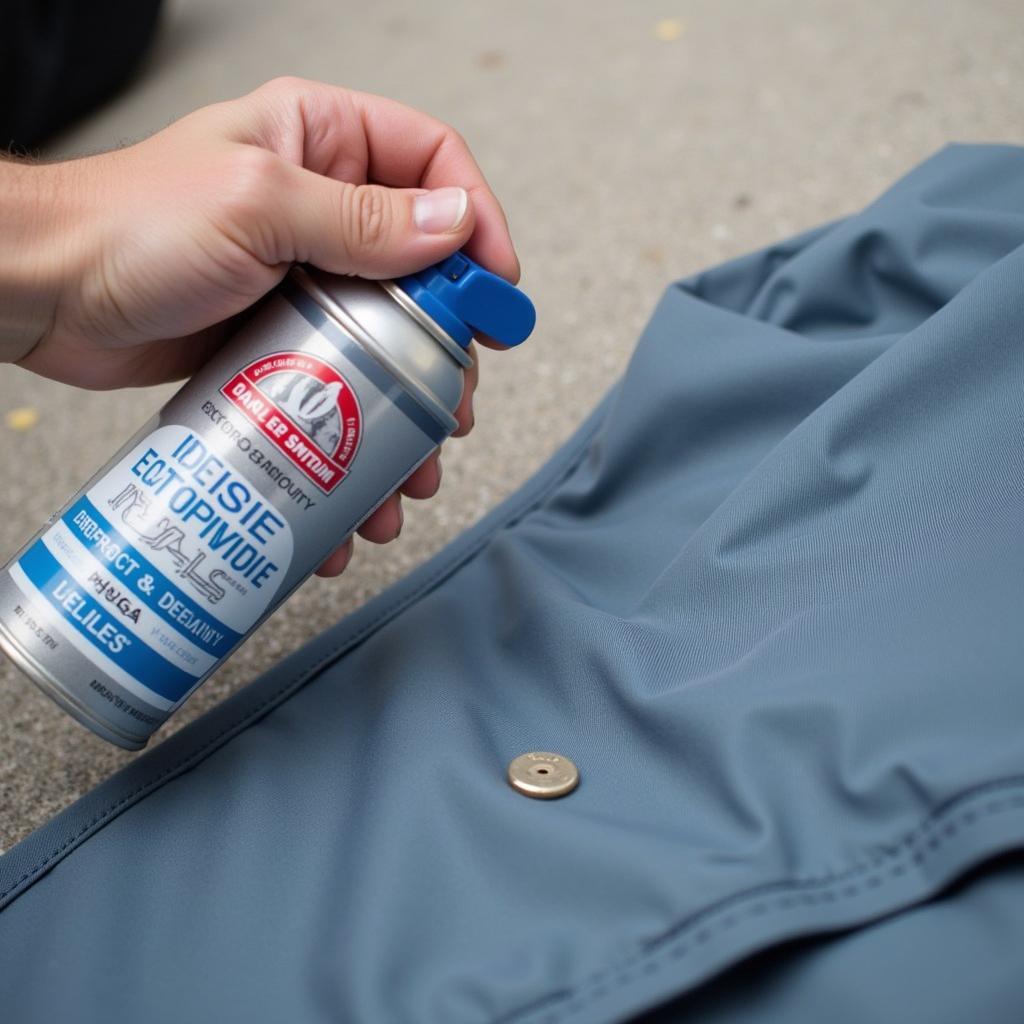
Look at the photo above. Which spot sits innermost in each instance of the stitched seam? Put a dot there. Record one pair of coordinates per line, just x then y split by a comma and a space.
910, 852
457, 561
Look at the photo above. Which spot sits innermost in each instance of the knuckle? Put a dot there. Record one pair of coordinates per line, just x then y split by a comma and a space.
248, 200
367, 214
285, 84
252, 176
451, 138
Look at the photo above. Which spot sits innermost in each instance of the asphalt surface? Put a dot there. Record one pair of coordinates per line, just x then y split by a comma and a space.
630, 144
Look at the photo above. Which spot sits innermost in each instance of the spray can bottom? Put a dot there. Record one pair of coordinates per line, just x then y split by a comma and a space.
55, 690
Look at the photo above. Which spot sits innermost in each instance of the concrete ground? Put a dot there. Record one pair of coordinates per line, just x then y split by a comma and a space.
631, 143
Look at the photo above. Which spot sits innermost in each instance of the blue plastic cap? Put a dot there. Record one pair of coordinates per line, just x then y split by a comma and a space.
464, 299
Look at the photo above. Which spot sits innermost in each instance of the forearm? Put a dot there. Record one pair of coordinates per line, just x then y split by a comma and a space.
37, 249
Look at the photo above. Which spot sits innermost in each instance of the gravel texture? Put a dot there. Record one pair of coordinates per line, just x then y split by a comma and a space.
630, 143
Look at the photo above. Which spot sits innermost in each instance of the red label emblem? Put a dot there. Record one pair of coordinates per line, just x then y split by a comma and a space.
305, 408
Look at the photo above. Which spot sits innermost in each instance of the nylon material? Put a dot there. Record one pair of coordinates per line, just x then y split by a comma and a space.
770, 614
891, 971
947, 234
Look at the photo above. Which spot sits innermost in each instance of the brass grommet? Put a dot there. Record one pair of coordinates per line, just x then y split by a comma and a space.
543, 775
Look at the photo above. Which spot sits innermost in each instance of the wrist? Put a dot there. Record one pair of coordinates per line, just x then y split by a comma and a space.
40, 224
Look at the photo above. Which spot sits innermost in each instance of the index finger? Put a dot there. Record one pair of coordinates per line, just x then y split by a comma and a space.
407, 148
358, 137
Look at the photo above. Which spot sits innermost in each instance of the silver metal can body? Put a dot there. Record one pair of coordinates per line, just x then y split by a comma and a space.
203, 523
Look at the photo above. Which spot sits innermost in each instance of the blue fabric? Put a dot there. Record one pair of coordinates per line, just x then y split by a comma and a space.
768, 599
956, 959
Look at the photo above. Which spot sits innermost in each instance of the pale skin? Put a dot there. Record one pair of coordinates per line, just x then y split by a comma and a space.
128, 268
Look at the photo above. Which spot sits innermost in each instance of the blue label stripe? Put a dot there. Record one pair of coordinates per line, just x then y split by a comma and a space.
100, 628
161, 584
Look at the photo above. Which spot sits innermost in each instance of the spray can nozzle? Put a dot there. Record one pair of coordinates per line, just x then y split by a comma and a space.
464, 299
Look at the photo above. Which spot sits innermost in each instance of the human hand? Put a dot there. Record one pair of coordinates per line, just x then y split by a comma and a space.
133, 264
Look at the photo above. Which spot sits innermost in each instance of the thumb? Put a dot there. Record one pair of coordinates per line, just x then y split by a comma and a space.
373, 231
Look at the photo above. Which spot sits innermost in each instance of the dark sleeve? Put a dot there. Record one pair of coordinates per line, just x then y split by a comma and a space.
60, 59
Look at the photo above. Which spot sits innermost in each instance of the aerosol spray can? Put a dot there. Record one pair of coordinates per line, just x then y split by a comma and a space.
203, 523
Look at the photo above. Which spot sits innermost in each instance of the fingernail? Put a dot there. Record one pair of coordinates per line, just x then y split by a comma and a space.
401, 518
441, 210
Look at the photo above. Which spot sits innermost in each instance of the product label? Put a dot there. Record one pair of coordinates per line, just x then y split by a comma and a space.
305, 408
265, 461
161, 567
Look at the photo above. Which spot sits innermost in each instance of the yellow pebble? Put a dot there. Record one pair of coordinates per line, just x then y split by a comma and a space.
24, 418
668, 30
